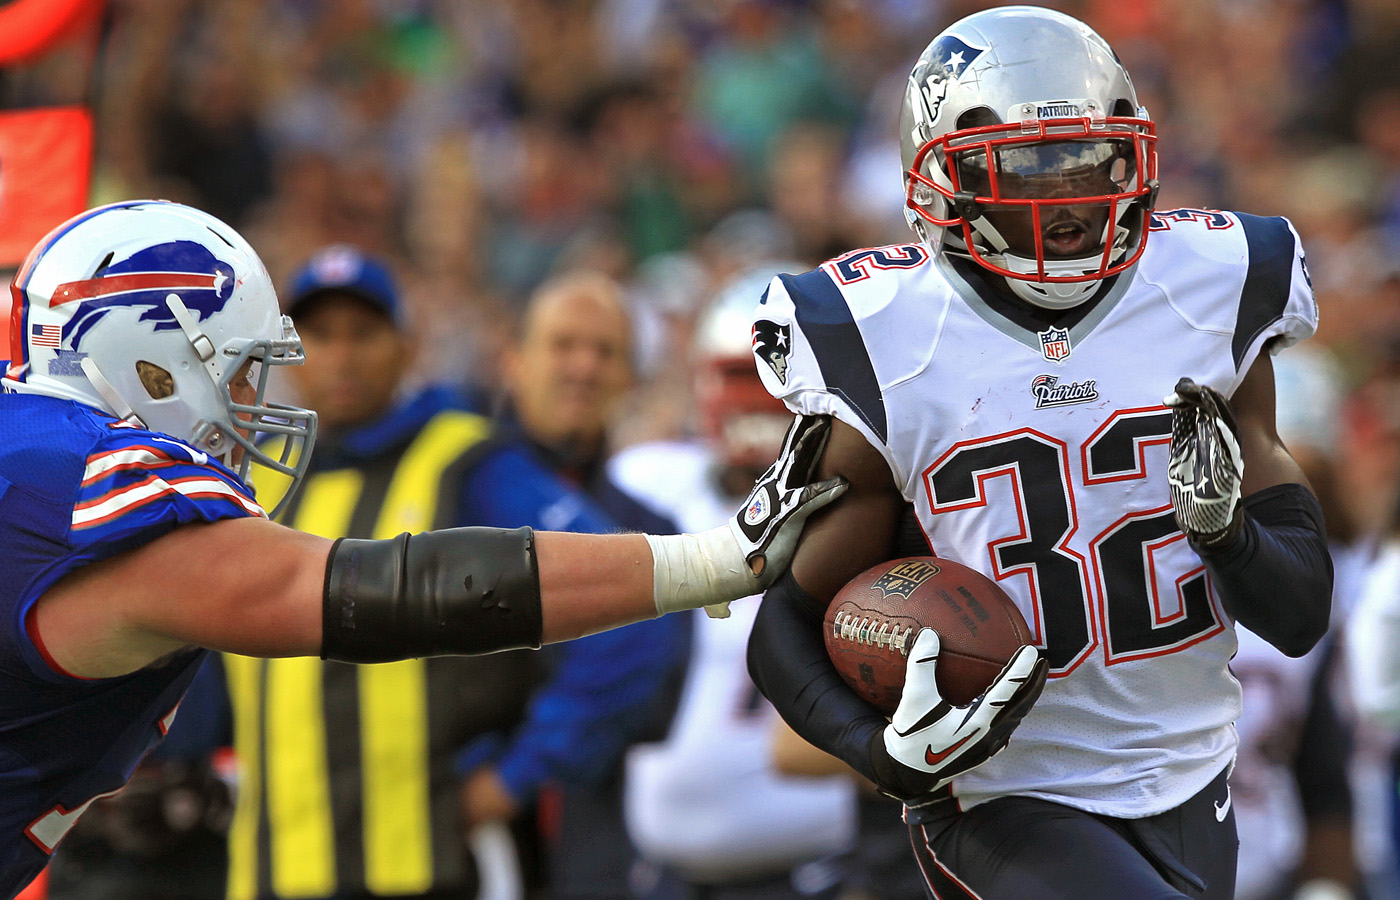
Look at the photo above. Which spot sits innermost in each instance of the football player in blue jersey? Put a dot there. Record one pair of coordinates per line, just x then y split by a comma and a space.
1005, 376
142, 338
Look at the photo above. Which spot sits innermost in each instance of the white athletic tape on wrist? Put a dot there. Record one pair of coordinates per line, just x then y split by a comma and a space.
694, 570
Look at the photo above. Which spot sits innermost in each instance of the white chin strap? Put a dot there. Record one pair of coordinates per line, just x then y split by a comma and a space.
115, 401
1051, 294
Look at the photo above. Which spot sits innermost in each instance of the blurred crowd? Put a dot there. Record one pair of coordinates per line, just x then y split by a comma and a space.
483, 147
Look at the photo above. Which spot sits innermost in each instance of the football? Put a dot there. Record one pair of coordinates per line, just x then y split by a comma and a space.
872, 621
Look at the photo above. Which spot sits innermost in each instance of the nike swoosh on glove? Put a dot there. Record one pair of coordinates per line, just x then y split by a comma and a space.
1205, 468
929, 741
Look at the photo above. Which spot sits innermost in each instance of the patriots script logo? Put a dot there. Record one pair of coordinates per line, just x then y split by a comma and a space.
1048, 390
202, 281
772, 343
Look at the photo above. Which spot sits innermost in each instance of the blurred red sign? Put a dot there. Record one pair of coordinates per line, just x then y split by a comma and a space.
45, 169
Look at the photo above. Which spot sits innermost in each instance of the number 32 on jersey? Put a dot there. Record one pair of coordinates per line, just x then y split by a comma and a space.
1109, 595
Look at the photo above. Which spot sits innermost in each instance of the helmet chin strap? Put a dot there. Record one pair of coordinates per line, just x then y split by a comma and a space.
1053, 295
115, 401
1056, 295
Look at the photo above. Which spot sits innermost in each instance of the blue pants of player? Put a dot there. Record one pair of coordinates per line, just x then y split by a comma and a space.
1018, 847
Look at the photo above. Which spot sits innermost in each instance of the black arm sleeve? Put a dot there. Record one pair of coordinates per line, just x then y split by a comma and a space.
454, 591
1275, 578
1324, 749
788, 663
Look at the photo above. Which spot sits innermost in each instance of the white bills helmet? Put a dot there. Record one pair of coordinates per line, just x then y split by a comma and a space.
1025, 150
148, 310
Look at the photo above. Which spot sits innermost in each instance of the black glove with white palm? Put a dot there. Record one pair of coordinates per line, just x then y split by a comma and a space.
1205, 469
929, 741
748, 553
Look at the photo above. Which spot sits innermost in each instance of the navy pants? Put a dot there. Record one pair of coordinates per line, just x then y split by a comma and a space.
1015, 848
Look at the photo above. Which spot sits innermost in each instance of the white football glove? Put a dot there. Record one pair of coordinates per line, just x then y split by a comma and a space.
1205, 469
934, 740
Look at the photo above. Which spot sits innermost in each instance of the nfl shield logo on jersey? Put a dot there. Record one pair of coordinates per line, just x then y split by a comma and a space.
1054, 343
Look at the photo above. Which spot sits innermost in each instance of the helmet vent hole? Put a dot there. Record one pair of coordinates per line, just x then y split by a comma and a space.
157, 381
977, 117
106, 261
1123, 107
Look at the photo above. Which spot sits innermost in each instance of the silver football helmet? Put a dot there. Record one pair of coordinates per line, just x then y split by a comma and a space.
1025, 150
155, 313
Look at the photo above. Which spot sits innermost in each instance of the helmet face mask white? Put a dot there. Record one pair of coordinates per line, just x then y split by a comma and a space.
147, 288
1026, 152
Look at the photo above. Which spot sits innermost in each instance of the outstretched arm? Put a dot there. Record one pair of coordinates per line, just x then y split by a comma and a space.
252, 587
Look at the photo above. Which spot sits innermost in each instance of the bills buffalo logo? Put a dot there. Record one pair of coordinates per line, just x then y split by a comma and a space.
772, 343
903, 577
203, 283
1054, 344
1048, 390
945, 61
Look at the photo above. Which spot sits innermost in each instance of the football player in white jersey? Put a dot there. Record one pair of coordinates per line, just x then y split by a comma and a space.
1006, 375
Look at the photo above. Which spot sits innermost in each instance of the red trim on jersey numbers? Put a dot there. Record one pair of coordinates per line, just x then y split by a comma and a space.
1037, 468
1097, 457
1149, 619
53, 826
1213, 219
856, 265
1122, 606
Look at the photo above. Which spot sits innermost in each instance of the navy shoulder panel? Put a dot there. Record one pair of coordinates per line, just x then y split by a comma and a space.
826, 321
1268, 281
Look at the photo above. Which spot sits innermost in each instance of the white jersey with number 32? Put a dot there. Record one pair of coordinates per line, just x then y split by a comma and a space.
1038, 455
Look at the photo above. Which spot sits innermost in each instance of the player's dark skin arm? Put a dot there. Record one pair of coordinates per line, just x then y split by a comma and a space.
845, 540
848, 538
787, 656
1266, 459
1276, 577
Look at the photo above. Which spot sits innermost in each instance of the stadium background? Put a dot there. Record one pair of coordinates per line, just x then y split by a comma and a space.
483, 145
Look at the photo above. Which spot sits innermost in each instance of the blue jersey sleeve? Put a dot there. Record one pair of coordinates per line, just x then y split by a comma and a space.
136, 480
103, 488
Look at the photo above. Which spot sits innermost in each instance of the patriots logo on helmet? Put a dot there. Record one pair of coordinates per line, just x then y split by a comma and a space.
203, 282
772, 343
945, 60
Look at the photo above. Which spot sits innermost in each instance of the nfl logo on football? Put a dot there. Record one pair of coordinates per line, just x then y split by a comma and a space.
1054, 343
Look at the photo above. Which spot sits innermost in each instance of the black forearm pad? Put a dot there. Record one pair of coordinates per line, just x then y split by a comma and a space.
1324, 750
788, 663
1275, 578
455, 591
